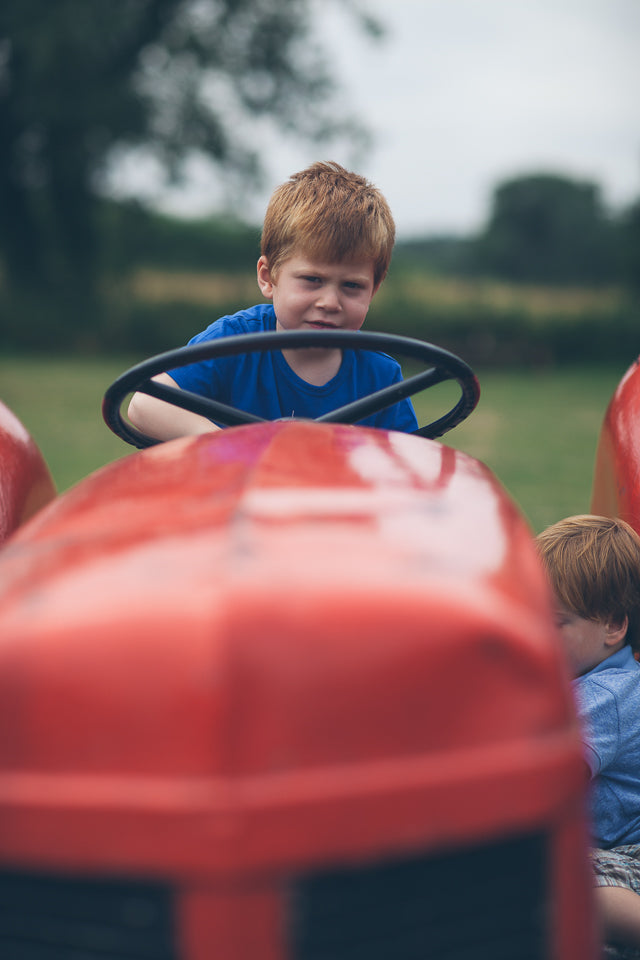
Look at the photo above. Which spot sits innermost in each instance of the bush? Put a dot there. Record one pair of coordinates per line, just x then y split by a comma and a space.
495, 325
487, 323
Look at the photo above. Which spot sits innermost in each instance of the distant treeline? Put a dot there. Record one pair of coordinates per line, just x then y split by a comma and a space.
137, 237
543, 229
551, 278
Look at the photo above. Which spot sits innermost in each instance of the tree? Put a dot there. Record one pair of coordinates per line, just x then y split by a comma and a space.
630, 246
548, 228
81, 80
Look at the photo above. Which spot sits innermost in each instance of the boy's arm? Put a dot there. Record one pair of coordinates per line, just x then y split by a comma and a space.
162, 420
599, 721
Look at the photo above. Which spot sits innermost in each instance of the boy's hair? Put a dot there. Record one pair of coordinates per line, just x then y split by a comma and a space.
328, 214
593, 564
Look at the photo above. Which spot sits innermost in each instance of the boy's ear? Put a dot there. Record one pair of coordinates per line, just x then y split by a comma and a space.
377, 285
616, 632
264, 278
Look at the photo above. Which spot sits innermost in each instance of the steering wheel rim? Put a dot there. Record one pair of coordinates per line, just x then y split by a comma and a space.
443, 366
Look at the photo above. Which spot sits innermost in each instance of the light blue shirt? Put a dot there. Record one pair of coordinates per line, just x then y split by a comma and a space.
608, 700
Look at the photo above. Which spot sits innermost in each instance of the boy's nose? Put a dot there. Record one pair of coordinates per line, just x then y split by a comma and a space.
328, 298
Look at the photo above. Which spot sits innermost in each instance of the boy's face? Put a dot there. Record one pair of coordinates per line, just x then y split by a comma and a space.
588, 642
310, 295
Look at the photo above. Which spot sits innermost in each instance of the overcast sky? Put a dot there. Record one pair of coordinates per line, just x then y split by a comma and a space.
462, 94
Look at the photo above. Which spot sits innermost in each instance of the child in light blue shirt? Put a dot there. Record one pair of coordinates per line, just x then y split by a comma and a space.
608, 698
593, 564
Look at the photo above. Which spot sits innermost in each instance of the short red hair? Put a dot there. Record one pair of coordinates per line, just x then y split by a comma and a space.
331, 215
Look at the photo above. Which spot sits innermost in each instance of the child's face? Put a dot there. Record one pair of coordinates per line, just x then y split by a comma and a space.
588, 642
309, 295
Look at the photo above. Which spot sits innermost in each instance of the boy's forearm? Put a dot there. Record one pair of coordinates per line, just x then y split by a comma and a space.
162, 420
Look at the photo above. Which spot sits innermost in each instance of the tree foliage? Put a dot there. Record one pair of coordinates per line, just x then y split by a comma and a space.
547, 228
630, 246
82, 80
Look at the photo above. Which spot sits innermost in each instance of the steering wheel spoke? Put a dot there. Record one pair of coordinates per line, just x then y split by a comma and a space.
195, 403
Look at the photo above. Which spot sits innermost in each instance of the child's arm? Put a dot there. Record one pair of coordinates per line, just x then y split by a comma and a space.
162, 420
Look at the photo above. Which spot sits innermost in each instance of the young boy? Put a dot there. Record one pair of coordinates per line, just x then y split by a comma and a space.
593, 564
327, 240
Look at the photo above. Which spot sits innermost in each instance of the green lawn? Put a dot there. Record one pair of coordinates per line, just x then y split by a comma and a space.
59, 402
536, 430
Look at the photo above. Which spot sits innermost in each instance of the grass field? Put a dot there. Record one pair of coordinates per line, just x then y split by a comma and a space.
537, 430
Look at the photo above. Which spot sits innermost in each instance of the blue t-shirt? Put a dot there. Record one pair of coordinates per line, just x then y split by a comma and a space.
264, 384
608, 700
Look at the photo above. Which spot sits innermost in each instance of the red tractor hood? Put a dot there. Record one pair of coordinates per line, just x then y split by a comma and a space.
216, 638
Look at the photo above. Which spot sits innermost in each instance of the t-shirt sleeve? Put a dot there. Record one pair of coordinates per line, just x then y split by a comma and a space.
598, 712
204, 376
404, 417
401, 416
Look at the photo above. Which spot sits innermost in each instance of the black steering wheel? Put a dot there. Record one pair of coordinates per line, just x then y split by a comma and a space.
442, 366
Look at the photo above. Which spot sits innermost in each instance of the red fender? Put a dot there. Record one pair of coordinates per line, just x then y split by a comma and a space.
616, 481
25, 482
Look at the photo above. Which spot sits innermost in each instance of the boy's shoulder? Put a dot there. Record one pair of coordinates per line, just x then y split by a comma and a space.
383, 359
376, 363
618, 676
251, 320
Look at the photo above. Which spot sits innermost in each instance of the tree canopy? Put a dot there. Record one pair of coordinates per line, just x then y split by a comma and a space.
548, 228
81, 80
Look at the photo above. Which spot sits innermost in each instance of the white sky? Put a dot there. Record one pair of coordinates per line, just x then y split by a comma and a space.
462, 94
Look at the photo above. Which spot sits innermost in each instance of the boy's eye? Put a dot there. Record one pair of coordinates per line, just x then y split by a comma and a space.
311, 279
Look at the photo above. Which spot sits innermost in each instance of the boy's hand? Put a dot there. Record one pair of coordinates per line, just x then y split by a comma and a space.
162, 420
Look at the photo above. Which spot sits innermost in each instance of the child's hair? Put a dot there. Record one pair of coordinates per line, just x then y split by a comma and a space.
329, 214
593, 565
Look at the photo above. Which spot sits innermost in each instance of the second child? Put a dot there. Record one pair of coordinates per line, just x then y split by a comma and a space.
593, 564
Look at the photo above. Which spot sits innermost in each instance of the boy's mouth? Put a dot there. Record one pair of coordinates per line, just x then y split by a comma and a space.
321, 325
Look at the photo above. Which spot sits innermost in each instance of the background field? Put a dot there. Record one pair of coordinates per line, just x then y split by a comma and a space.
537, 430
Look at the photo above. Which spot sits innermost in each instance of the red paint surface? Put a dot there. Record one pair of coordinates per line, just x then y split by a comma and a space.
237, 655
25, 481
616, 483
